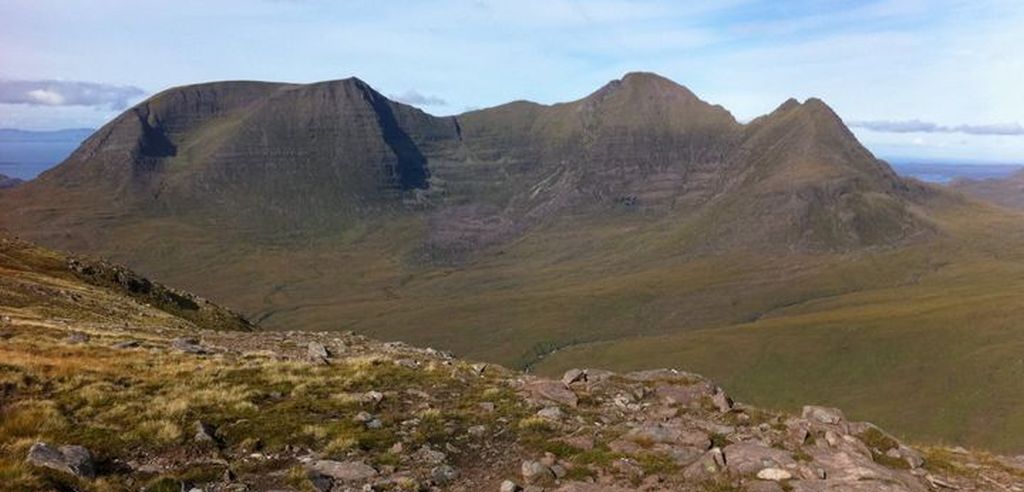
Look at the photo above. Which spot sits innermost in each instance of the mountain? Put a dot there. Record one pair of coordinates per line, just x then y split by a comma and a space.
8, 182
636, 227
263, 157
1008, 192
107, 390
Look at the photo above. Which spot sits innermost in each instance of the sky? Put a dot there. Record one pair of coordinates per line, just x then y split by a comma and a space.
915, 79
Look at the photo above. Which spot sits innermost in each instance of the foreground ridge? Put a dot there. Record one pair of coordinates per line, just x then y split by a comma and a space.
100, 391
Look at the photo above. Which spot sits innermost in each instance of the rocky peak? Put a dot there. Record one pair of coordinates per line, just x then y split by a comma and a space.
643, 98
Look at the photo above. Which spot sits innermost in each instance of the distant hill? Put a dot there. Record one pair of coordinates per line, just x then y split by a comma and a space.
9, 182
1008, 192
639, 226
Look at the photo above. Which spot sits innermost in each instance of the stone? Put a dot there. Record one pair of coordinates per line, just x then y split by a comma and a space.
536, 473
721, 401
444, 474
774, 474
431, 456
911, 456
710, 464
477, 430
509, 486
344, 471
663, 434
479, 368
553, 391
685, 395
823, 415
763, 486
189, 346
321, 483
317, 353
574, 376
204, 432
749, 458
373, 397
486, 406
73, 460
76, 337
579, 442
551, 413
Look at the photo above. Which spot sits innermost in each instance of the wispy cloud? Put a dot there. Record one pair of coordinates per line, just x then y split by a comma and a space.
918, 126
67, 93
414, 98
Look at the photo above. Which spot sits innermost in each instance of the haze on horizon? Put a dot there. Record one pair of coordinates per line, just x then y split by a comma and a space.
916, 79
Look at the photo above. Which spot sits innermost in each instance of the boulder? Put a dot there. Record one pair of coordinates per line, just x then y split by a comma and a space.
444, 474
823, 415
76, 337
126, 344
664, 434
536, 473
509, 486
551, 413
721, 401
750, 458
690, 395
774, 474
552, 391
344, 471
317, 353
204, 432
189, 346
710, 464
574, 376
73, 460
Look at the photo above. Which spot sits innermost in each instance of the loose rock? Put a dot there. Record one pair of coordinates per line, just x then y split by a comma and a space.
73, 460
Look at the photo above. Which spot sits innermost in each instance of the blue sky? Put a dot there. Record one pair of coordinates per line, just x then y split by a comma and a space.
927, 79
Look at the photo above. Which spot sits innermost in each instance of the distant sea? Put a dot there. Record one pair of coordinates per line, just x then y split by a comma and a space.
26, 154
947, 172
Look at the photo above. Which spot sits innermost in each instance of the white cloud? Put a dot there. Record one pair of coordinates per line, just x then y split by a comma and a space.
918, 126
67, 93
414, 98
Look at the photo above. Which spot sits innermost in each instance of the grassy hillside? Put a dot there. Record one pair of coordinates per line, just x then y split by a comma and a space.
891, 334
102, 392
